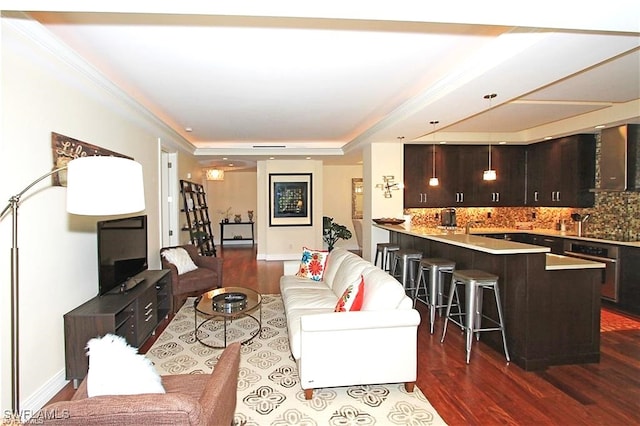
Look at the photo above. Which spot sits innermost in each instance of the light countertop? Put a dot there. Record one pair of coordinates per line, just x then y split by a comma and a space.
423, 231
488, 245
473, 242
458, 238
556, 262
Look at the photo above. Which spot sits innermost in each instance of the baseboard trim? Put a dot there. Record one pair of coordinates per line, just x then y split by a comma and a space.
45, 393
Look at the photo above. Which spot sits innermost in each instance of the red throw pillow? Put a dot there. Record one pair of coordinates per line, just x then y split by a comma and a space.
351, 299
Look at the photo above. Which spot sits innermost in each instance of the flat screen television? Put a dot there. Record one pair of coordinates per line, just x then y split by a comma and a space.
122, 252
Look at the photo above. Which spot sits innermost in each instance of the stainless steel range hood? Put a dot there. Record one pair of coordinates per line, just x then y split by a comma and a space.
620, 158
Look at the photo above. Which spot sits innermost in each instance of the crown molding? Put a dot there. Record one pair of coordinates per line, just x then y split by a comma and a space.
24, 25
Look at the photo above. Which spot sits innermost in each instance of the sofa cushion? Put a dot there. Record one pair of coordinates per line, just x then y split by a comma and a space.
115, 368
193, 281
179, 257
383, 292
336, 257
351, 299
307, 298
349, 271
289, 282
312, 264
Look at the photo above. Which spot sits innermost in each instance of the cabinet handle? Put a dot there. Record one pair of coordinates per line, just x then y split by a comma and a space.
558, 196
535, 196
147, 319
149, 305
148, 312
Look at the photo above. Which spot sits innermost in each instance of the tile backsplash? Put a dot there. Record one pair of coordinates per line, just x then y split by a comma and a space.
615, 216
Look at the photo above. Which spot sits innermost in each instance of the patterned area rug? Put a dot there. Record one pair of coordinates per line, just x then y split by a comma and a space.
269, 392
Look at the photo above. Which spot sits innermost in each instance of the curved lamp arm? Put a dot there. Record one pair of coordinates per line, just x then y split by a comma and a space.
14, 200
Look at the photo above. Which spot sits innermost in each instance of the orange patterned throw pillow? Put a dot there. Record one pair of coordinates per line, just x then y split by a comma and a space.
351, 299
312, 264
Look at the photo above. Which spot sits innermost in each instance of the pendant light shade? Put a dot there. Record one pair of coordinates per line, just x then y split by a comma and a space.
434, 180
489, 174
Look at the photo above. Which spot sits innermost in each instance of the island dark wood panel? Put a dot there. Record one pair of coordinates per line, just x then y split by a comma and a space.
552, 317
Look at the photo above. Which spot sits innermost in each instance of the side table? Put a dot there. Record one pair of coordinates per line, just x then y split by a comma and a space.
224, 224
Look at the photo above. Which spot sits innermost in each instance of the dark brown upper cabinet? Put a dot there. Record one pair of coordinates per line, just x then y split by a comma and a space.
561, 172
555, 173
459, 169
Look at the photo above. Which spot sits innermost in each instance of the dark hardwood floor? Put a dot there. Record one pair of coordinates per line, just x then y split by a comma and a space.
490, 391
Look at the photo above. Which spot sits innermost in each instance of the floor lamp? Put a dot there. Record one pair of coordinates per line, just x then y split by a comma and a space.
96, 186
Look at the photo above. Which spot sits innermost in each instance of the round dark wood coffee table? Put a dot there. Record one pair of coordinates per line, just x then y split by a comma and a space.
227, 304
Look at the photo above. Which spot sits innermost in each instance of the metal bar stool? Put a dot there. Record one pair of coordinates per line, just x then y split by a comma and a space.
405, 259
385, 249
435, 298
475, 281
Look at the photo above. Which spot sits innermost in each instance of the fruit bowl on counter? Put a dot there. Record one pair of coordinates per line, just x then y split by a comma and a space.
388, 221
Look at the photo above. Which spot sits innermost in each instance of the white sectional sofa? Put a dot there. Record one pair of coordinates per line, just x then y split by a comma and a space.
377, 344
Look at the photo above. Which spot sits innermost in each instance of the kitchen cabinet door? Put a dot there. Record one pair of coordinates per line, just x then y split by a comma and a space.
509, 187
415, 172
451, 170
418, 169
462, 174
578, 154
560, 172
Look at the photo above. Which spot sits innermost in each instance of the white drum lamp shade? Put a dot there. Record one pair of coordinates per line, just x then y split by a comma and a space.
103, 186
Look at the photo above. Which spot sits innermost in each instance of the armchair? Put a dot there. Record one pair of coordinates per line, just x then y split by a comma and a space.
207, 277
190, 399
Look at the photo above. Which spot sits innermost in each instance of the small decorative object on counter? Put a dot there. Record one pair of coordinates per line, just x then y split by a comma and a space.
250, 215
237, 218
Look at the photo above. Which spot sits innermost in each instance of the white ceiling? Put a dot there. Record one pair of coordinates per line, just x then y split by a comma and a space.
326, 82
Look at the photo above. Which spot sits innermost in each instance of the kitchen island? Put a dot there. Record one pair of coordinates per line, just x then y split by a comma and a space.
551, 303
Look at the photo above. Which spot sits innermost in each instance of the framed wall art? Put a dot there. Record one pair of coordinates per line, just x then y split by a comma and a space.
66, 149
290, 199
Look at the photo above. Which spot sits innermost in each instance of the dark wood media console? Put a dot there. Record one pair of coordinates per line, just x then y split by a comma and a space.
134, 315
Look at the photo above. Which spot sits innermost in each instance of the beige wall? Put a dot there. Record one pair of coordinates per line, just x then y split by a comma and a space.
337, 198
237, 191
42, 93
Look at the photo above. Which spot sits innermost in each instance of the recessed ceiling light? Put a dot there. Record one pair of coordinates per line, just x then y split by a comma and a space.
272, 158
443, 143
188, 129
308, 158
546, 138
231, 164
225, 158
600, 126
502, 143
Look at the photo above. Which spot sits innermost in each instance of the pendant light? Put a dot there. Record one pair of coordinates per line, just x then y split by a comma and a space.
489, 174
434, 180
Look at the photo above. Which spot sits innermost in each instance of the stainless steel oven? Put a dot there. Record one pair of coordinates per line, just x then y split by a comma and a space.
605, 253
